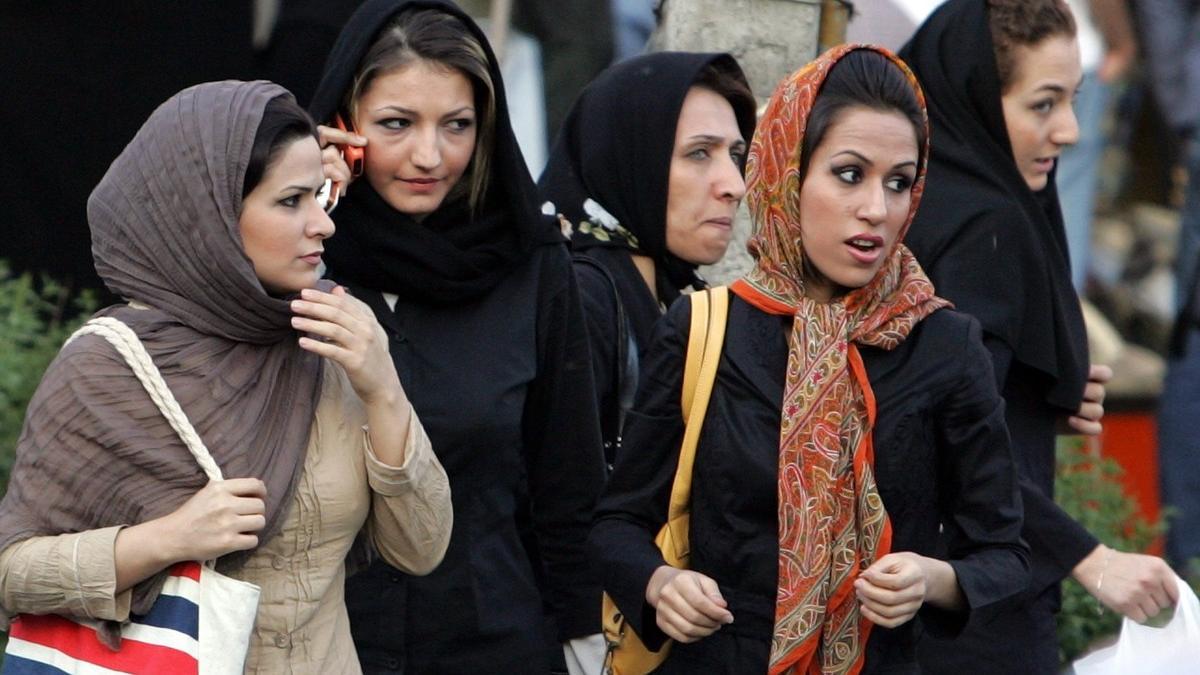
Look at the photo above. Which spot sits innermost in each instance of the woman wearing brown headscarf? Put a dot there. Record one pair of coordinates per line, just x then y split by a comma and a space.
210, 225
853, 415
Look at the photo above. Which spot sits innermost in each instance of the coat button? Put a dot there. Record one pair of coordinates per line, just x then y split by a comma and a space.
282, 641
278, 562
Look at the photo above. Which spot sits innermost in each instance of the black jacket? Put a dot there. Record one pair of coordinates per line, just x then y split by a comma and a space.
503, 388
941, 457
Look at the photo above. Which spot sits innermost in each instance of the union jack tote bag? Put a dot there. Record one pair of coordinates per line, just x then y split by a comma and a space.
202, 620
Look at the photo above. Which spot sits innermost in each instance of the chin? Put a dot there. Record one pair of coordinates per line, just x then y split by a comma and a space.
1037, 182
416, 205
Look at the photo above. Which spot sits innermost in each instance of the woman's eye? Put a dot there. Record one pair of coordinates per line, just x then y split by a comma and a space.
461, 124
899, 183
290, 202
739, 157
395, 123
698, 153
1043, 106
850, 174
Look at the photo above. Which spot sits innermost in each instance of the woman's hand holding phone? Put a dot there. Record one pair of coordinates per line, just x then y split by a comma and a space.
334, 145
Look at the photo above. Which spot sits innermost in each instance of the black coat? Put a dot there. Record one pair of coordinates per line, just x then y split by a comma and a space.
941, 457
499, 385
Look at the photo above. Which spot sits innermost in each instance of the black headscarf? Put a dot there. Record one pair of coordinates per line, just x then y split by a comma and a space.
992, 246
452, 255
615, 149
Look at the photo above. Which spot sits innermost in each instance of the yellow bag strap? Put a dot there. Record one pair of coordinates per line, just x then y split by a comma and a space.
710, 309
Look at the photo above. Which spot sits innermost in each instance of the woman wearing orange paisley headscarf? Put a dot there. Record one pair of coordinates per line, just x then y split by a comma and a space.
853, 416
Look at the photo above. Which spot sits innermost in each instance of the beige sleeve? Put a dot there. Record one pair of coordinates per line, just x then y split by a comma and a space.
411, 514
73, 574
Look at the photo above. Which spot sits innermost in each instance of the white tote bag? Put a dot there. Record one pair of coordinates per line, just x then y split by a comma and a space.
1146, 650
201, 622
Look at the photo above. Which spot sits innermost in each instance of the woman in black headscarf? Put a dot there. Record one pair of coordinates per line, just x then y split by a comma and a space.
647, 174
443, 238
1000, 76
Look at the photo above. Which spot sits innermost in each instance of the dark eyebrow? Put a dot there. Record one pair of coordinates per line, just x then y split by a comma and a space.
406, 111
709, 138
1053, 88
301, 188
851, 152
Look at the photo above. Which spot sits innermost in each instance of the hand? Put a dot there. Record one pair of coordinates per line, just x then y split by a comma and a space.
1138, 586
688, 604
221, 518
347, 333
1087, 420
893, 589
332, 163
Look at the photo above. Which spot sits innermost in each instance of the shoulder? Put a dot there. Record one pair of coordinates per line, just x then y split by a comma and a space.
947, 331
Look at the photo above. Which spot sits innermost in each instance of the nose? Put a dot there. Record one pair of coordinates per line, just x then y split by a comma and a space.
730, 184
427, 153
1066, 131
319, 224
872, 206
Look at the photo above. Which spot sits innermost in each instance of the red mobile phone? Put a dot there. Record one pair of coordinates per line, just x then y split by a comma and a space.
353, 154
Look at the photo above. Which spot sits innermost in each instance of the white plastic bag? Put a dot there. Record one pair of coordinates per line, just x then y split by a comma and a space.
1174, 648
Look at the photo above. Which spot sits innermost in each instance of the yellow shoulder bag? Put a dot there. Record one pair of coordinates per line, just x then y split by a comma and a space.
626, 653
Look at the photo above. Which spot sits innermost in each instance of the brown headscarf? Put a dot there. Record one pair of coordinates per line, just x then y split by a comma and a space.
95, 451
832, 521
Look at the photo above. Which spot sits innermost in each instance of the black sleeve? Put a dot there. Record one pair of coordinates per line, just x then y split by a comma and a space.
600, 316
980, 498
634, 505
564, 460
1057, 543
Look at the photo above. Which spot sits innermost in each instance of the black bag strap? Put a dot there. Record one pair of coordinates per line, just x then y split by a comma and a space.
625, 367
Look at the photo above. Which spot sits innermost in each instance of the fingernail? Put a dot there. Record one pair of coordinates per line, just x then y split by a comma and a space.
296, 304
295, 322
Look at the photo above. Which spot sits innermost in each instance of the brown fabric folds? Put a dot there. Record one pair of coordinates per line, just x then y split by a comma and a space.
95, 451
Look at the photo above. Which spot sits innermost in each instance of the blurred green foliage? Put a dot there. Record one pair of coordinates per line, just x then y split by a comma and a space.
1088, 487
36, 316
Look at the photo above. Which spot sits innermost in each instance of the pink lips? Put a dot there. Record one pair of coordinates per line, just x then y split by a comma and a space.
420, 184
866, 256
313, 258
721, 222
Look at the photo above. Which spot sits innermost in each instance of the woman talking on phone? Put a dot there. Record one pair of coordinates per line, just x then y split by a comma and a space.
443, 238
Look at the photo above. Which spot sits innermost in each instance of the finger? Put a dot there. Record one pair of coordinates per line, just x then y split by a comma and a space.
244, 542
893, 611
1089, 410
250, 524
899, 579
245, 487
698, 600
709, 587
328, 330
683, 625
1100, 373
327, 350
1085, 426
877, 619
686, 603
248, 506
867, 591
1094, 392
328, 135
325, 311
1170, 586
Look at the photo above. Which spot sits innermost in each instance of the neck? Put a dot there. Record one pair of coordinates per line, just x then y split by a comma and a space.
645, 267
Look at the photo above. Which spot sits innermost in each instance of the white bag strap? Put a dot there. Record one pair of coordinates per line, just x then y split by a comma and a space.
127, 344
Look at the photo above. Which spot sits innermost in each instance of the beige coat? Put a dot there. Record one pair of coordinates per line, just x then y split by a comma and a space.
302, 626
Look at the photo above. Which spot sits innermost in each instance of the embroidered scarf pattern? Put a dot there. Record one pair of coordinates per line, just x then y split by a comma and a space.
832, 521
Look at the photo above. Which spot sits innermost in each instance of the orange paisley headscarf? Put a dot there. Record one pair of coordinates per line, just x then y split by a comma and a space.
832, 521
